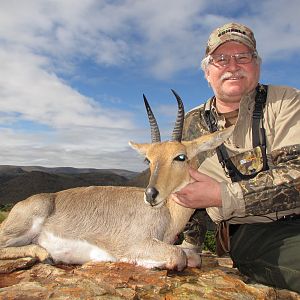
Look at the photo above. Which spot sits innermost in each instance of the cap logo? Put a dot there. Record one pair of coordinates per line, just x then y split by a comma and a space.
231, 30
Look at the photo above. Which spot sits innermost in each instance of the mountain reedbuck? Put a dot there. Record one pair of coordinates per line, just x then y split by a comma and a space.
106, 223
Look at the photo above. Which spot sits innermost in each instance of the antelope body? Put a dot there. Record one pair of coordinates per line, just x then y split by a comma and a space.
105, 223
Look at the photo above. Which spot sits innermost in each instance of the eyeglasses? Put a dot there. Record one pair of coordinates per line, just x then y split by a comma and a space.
223, 60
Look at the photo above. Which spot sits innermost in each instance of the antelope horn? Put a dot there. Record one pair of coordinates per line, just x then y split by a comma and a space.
155, 134
177, 131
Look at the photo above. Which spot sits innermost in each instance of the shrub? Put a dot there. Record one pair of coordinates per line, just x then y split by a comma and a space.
210, 241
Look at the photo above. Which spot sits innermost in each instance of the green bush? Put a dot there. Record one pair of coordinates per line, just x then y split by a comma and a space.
210, 241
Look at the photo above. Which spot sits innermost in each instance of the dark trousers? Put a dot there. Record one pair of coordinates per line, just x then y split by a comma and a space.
269, 253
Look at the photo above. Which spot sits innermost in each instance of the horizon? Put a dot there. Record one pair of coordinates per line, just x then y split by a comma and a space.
52, 168
73, 74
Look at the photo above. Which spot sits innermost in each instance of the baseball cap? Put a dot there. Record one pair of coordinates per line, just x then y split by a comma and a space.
230, 32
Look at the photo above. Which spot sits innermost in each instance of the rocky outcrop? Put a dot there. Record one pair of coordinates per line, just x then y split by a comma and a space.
24, 279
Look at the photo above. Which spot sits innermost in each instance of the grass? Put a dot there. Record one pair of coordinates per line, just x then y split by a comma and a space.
4, 210
3, 215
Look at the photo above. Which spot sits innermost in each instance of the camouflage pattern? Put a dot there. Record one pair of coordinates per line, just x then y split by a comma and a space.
249, 162
230, 32
270, 191
195, 230
194, 127
277, 189
271, 194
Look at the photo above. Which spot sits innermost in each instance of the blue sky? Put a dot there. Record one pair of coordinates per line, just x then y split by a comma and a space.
72, 73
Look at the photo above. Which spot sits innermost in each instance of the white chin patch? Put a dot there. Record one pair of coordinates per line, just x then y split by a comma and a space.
158, 203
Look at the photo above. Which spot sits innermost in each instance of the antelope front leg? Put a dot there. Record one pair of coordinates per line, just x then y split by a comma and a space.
157, 254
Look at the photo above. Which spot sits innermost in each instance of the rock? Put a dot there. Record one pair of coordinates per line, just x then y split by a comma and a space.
24, 279
9, 266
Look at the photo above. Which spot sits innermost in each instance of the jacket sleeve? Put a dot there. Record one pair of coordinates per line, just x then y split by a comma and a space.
278, 188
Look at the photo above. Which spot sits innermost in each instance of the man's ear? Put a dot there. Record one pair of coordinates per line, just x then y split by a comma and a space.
207, 142
207, 76
141, 148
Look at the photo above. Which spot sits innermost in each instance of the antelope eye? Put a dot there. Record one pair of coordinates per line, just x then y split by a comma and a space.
181, 157
146, 161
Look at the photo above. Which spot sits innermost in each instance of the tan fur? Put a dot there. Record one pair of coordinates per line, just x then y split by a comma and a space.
110, 223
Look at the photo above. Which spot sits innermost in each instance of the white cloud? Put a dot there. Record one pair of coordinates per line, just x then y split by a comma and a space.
33, 93
275, 24
167, 36
42, 42
74, 147
277, 30
106, 31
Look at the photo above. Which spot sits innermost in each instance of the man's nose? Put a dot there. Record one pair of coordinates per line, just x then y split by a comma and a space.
232, 64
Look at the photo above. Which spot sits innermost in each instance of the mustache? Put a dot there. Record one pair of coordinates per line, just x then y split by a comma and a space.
238, 74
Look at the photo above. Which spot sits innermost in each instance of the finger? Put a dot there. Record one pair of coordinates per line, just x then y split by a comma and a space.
176, 198
196, 175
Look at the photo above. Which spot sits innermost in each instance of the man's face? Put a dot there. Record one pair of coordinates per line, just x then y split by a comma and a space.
232, 81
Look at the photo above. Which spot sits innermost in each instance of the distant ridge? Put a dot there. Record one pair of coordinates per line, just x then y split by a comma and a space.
19, 182
64, 170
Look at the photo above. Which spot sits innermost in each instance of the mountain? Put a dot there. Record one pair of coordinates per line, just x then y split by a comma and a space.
141, 179
8, 169
19, 182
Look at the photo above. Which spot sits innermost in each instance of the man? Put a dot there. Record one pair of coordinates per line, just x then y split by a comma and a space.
249, 185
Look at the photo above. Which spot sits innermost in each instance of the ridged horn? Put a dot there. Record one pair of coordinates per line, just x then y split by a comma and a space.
155, 134
178, 128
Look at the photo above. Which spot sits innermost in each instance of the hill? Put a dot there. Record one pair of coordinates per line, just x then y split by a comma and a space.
18, 183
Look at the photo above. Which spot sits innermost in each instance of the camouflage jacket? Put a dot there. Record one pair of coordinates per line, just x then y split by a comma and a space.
272, 193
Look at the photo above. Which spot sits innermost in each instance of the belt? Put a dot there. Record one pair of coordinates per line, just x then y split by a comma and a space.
233, 228
289, 217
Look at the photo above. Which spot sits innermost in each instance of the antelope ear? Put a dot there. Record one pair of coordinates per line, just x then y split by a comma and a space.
207, 142
141, 148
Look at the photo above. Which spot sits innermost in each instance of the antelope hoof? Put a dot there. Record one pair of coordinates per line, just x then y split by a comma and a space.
194, 259
179, 263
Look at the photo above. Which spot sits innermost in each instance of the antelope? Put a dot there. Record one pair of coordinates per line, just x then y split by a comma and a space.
108, 223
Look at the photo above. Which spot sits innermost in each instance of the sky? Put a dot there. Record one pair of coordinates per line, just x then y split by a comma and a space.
72, 73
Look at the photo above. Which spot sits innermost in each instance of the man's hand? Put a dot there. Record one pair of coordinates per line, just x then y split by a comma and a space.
202, 193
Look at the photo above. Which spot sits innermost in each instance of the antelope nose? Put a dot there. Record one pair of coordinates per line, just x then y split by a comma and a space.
151, 194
